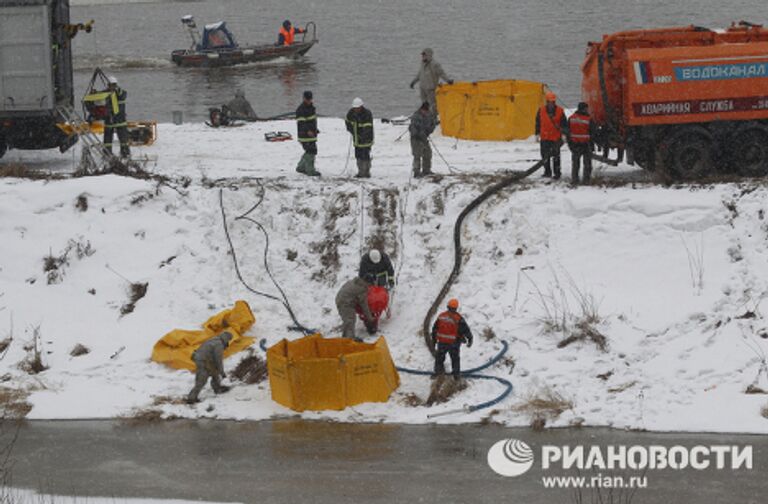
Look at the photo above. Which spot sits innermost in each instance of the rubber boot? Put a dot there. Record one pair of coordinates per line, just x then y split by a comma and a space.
417, 167
360, 168
310, 170
302, 166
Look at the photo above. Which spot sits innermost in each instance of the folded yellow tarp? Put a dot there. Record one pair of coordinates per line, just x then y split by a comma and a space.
175, 348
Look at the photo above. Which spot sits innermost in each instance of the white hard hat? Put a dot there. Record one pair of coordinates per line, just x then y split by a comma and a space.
357, 102
375, 256
111, 79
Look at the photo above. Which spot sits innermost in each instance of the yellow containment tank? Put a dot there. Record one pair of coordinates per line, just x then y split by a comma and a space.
490, 110
175, 348
314, 373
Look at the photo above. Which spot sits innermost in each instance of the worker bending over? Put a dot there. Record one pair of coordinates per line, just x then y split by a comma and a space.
209, 362
379, 265
352, 296
448, 332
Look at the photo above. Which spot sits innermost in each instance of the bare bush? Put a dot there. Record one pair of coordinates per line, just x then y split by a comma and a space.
695, 254
33, 364
251, 369
443, 389
136, 291
545, 404
79, 350
54, 266
571, 311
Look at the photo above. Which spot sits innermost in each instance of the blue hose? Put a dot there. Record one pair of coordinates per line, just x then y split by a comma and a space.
469, 373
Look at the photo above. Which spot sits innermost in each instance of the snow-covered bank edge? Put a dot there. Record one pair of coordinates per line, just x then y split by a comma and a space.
678, 355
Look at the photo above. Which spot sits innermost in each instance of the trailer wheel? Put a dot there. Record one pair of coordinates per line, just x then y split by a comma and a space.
749, 156
688, 155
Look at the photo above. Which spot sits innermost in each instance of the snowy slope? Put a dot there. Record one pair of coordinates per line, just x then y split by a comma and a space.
667, 272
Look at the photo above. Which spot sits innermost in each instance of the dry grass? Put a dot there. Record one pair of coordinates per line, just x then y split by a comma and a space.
14, 403
585, 331
622, 388
79, 350
18, 170
764, 411
136, 291
251, 369
443, 389
81, 203
412, 400
546, 404
488, 334
33, 363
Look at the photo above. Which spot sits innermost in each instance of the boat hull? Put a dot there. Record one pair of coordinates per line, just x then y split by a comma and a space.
239, 55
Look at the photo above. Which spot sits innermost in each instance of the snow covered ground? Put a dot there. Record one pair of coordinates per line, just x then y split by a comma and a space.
673, 277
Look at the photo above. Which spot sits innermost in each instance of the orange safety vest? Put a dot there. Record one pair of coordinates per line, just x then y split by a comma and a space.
448, 327
287, 35
549, 127
578, 124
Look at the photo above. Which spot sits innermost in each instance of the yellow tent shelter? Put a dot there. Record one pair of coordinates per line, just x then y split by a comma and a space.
175, 348
499, 110
314, 373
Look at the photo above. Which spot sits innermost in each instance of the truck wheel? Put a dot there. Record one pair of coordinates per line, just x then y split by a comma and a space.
749, 156
3, 147
688, 154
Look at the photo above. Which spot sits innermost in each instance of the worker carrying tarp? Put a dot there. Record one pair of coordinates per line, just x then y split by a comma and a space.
500, 110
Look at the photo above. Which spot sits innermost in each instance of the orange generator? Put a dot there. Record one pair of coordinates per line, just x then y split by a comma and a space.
686, 101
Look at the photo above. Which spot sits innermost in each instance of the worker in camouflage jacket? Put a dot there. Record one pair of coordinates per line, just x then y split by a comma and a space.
422, 125
352, 296
240, 108
209, 362
360, 126
428, 77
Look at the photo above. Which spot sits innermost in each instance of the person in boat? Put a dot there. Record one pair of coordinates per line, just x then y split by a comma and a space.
378, 264
288, 33
239, 108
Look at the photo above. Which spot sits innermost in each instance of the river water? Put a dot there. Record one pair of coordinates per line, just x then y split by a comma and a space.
368, 48
324, 462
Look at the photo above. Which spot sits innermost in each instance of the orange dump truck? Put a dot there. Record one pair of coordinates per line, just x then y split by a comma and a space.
687, 101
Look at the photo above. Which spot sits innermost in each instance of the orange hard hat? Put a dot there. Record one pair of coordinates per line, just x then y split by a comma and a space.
550, 96
453, 303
